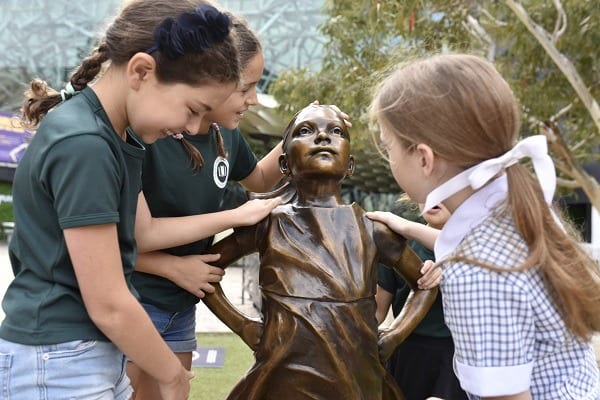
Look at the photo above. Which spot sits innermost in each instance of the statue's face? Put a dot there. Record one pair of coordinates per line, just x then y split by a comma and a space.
319, 144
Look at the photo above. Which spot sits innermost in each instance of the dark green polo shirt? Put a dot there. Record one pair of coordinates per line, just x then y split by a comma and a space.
433, 323
76, 172
172, 189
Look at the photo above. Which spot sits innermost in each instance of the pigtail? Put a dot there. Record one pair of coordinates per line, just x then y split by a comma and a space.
570, 274
41, 98
90, 67
219, 138
196, 160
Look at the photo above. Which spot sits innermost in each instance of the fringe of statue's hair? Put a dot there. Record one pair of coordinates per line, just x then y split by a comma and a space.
286, 192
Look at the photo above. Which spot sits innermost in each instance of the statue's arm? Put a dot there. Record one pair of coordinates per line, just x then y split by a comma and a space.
231, 248
395, 253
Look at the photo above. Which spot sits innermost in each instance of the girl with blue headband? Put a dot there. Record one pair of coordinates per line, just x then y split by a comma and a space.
72, 316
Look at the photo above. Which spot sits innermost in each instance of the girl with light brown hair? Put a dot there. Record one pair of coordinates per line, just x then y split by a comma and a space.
521, 297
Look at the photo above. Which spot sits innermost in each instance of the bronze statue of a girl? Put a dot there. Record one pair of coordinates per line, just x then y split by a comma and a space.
318, 271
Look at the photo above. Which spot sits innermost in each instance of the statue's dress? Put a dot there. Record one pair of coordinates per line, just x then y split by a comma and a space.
318, 274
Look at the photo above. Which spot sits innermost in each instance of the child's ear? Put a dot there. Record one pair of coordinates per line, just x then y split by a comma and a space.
350, 170
283, 165
426, 158
139, 69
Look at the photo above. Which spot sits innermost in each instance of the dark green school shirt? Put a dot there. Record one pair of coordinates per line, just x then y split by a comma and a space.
172, 189
76, 172
433, 324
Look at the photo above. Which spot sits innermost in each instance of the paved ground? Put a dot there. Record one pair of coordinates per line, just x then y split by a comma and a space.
206, 321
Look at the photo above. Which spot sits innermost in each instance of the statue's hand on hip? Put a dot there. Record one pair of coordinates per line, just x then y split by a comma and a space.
387, 343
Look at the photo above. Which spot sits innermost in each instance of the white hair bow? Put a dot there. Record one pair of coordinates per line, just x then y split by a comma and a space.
534, 147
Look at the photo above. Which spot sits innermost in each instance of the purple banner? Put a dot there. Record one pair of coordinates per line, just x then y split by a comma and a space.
13, 140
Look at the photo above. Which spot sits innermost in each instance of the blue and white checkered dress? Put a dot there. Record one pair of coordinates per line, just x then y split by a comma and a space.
508, 333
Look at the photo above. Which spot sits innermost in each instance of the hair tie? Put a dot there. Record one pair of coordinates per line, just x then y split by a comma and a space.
190, 32
67, 92
534, 147
177, 136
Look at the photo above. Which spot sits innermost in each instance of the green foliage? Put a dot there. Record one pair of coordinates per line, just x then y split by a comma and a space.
365, 38
541, 87
364, 41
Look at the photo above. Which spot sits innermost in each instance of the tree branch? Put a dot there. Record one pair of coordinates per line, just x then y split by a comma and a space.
478, 31
561, 22
568, 164
562, 62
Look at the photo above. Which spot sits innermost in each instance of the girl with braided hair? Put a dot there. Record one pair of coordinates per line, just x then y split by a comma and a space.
71, 311
172, 281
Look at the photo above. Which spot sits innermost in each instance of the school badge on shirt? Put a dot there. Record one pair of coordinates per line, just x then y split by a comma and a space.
220, 172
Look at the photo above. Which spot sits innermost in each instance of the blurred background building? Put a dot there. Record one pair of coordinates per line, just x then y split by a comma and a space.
48, 38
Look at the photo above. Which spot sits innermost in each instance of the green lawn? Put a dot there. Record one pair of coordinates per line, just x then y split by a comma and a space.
6, 213
215, 383
6, 208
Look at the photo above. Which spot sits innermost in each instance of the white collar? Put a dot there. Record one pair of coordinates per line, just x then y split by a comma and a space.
468, 215
534, 147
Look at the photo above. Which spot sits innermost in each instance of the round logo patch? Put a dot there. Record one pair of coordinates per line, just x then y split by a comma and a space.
221, 172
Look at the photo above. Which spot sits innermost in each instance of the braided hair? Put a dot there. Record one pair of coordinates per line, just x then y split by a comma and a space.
190, 41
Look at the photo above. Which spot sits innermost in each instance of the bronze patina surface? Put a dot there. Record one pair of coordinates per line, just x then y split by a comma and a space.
318, 337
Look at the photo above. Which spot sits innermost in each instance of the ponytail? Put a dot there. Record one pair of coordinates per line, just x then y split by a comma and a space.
570, 274
41, 98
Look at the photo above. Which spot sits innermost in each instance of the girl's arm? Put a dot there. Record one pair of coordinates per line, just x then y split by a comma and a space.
191, 272
383, 298
266, 174
423, 234
161, 233
94, 251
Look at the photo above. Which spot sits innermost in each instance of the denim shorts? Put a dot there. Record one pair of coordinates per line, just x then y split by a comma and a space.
178, 329
81, 369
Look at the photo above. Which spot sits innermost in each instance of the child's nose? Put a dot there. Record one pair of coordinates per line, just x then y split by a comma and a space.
322, 135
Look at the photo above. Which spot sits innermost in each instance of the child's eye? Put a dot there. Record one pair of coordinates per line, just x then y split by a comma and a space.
194, 113
337, 131
304, 131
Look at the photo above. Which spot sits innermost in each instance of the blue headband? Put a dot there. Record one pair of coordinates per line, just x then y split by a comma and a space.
190, 32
